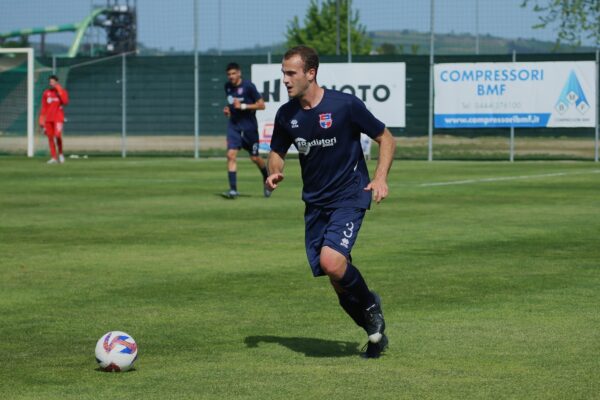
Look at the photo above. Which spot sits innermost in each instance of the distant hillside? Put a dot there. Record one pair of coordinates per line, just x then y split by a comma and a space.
413, 42
391, 42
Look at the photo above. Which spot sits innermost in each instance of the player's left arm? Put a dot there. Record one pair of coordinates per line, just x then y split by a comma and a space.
387, 147
62, 93
254, 95
258, 105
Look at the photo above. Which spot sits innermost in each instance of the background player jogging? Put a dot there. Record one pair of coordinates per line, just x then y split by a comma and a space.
242, 130
325, 127
52, 117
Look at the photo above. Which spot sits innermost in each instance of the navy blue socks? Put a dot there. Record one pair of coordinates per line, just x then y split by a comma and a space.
232, 180
355, 285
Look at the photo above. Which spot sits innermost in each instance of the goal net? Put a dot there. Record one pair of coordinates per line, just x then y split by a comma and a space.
16, 101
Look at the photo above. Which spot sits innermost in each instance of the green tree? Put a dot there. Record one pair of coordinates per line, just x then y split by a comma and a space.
320, 29
573, 19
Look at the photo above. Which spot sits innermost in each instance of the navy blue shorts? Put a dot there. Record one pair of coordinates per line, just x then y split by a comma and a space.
332, 227
247, 140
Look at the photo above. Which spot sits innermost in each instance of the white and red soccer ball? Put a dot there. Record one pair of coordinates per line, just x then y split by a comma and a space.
116, 351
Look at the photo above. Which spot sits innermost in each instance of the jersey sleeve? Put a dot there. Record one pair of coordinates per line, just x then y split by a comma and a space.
62, 94
281, 140
254, 93
366, 122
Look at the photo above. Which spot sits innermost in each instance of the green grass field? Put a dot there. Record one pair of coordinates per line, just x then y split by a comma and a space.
490, 284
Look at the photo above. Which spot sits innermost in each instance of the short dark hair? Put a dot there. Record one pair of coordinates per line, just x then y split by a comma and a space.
309, 56
53, 77
233, 65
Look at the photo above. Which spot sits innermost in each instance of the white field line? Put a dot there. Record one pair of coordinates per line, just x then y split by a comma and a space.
507, 178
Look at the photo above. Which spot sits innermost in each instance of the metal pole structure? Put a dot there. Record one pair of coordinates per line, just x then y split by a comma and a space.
53, 64
597, 91
30, 94
512, 127
349, 10
219, 52
124, 105
337, 27
196, 84
477, 27
431, 60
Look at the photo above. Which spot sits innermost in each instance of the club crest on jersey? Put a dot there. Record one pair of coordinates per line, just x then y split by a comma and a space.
325, 120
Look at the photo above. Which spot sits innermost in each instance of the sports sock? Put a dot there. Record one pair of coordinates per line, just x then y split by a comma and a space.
233, 180
354, 284
351, 305
265, 173
59, 144
52, 146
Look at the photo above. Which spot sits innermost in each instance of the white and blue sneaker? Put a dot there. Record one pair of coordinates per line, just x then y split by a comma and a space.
231, 194
267, 192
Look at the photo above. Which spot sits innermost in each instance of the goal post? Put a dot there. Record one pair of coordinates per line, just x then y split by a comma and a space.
13, 108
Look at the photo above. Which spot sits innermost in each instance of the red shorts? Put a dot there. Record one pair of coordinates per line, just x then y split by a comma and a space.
53, 129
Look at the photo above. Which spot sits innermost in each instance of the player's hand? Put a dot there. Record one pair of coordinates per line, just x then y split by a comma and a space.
227, 111
379, 188
237, 104
273, 180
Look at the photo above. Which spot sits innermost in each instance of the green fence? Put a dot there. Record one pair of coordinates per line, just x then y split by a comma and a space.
159, 99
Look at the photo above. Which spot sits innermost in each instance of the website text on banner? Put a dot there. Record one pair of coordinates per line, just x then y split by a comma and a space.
521, 94
380, 85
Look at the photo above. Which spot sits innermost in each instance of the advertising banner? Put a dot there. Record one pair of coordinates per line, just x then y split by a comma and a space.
519, 94
380, 85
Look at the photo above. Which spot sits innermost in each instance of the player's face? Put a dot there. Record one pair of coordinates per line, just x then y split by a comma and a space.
295, 79
234, 76
52, 82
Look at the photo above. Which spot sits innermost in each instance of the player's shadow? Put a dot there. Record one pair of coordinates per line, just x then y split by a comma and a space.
311, 347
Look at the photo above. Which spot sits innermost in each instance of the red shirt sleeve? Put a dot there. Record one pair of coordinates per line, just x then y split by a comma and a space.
62, 94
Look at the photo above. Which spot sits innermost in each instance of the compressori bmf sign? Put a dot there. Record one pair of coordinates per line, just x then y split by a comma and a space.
380, 85
523, 94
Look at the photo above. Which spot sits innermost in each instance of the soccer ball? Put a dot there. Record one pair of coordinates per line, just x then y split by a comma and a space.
116, 351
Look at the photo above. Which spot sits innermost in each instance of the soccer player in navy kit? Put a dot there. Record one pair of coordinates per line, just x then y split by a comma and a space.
325, 127
242, 130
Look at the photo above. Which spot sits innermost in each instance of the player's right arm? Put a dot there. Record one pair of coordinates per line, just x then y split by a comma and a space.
280, 143
275, 166
43, 109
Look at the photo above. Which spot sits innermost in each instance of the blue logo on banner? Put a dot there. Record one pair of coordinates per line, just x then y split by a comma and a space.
572, 95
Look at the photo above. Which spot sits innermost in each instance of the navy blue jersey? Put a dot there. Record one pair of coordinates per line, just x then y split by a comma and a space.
245, 92
327, 137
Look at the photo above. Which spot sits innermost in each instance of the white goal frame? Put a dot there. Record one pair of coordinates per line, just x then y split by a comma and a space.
30, 85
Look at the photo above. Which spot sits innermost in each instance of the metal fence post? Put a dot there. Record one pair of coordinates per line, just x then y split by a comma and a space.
431, 59
196, 84
124, 105
597, 91
349, 11
512, 127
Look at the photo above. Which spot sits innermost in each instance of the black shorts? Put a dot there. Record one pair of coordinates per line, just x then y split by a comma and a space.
332, 227
248, 140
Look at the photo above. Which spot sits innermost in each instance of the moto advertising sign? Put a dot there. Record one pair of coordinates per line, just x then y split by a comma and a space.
519, 94
380, 85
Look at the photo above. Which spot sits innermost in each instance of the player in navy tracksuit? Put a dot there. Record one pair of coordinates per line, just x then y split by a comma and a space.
325, 127
242, 130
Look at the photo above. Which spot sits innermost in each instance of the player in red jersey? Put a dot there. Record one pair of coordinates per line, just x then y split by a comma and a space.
52, 117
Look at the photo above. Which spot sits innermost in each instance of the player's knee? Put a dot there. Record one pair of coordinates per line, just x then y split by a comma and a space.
231, 155
332, 262
255, 159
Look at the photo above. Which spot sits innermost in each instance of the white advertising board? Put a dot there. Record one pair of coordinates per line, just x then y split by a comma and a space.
380, 85
519, 94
